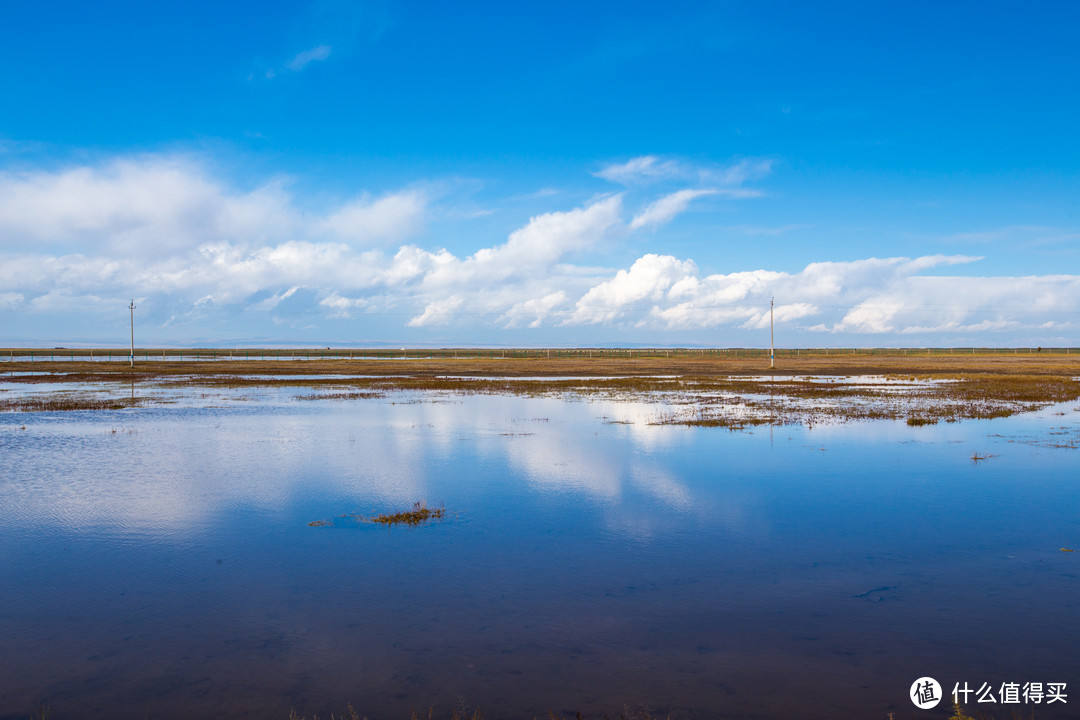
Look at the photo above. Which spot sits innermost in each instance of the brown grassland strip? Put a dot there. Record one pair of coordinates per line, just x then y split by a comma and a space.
944, 365
708, 391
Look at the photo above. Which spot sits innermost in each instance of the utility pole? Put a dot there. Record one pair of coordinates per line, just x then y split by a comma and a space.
772, 346
131, 307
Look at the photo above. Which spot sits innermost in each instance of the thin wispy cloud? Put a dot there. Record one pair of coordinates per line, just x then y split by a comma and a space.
757, 230
303, 59
1032, 235
650, 169
640, 170
666, 208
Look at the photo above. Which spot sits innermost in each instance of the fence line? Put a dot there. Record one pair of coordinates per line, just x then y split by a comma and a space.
145, 355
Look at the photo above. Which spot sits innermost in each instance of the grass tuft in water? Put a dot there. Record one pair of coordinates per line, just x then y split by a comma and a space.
419, 514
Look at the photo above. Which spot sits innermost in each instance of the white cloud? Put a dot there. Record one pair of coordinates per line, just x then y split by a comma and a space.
534, 311
154, 206
738, 174
274, 300
390, 217
438, 312
342, 306
303, 59
535, 248
549, 237
872, 296
145, 205
647, 168
86, 239
666, 208
648, 279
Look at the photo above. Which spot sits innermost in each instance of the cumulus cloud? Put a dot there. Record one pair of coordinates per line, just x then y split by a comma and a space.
648, 279
871, 296
154, 206
85, 239
139, 205
534, 248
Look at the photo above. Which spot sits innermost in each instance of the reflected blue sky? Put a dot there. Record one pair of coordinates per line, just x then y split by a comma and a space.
161, 559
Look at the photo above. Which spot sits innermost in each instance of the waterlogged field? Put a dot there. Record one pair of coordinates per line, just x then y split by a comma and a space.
699, 548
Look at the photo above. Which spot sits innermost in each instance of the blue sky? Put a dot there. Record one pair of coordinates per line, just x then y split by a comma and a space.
544, 174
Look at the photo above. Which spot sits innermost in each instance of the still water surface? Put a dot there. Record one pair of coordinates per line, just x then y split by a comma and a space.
159, 561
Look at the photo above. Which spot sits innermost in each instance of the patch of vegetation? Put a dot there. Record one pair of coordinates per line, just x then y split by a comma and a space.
353, 395
65, 403
920, 421
419, 515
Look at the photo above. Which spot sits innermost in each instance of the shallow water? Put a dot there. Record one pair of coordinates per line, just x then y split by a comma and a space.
159, 560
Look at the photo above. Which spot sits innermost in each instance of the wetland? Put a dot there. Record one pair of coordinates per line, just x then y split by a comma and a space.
657, 537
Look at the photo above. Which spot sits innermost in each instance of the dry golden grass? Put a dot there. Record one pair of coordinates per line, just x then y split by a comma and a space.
856, 364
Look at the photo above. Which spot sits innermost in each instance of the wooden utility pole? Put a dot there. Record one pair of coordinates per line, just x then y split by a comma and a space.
131, 357
772, 346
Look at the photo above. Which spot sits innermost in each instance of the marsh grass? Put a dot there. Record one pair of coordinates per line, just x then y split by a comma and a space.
419, 514
66, 403
735, 393
353, 395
